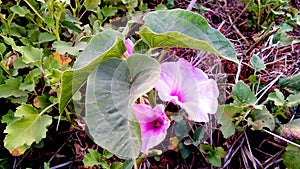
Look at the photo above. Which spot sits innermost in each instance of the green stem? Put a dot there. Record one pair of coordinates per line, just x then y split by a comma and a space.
259, 13
47, 108
36, 12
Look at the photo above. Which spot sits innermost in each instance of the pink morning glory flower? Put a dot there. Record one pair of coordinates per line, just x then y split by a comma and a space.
188, 87
129, 47
153, 124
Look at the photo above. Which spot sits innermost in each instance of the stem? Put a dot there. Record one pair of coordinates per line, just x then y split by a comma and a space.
259, 13
32, 8
47, 108
281, 138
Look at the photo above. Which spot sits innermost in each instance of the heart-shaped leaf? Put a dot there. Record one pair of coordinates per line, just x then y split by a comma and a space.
112, 90
181, 28
101, 47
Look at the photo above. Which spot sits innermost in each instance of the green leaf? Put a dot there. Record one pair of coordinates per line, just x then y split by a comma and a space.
21, 11
292, 83
71, 26
109, 11
117, 165
181, 129
66, 47
2, 48
101, 47
112, 90
225, 118
261, 118
257, 63
31, 55
293, 100
11, 88
89, 4
184, 151
31, 79
242, 94
213, 155
95, 158
30, 127
8, 117
46, 37
291, 156
185, 29
277, 97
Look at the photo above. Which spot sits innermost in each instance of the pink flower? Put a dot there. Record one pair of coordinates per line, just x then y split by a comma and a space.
129, 47
188, 87
153, 123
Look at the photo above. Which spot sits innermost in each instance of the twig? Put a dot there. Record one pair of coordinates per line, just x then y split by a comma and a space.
62, 165
238, 31
191, 5
281, 138
249, 147
239, 70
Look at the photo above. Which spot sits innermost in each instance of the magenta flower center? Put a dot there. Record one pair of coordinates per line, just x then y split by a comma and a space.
178, 94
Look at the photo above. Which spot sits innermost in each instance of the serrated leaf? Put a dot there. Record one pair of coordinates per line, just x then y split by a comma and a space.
277, 97
31, 79
291, 130
291, 156
225, 118
242, 94
112, 90
261, 118
293, 100
30, 127
292, 83
8, 117
109, 11
21, 11
213, 155
11, 88
31, 55
185, 29
101, 47
257, 63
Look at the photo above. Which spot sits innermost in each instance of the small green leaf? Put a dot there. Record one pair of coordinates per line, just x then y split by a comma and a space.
184, 151
71, 26
117, 165
46, 37
225, 118
11, 88
199, 133
30, 127
292, 83
2, 48
66, 47
260, 119
109, 11
277, 97
257, 63
242, 94
213, 155
181, 129
31, 79
95, 158
21, 11
90, 4
291, 156
8, 117
293, 100
185, 29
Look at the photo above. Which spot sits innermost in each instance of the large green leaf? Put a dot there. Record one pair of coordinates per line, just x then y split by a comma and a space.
101, 47
30, 127
112, 90
261, 118
291, 156
181, 28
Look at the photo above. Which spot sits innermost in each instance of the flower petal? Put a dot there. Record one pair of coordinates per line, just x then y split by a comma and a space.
188, 87
153, 123
129, 47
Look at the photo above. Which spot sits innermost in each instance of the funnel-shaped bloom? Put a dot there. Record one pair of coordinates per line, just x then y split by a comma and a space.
129, 47
153, 123
188, 87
